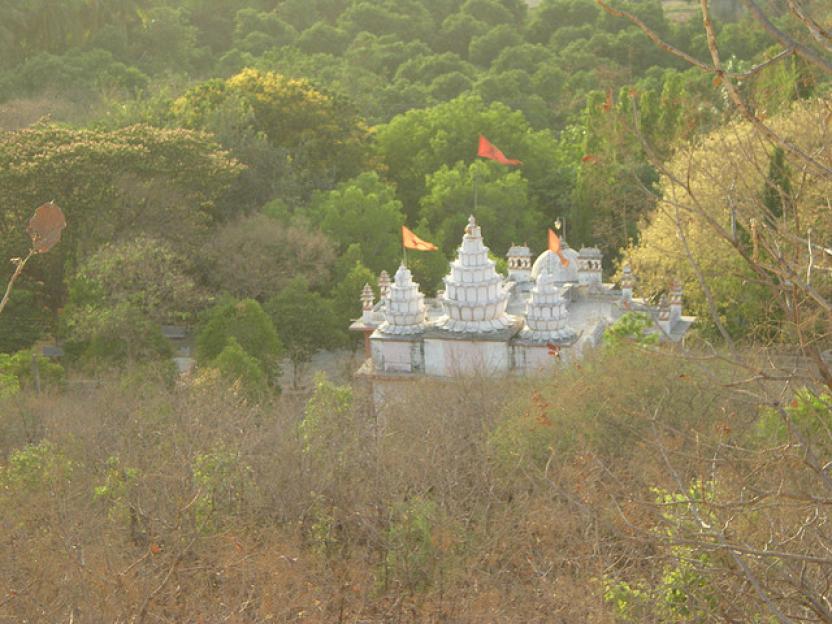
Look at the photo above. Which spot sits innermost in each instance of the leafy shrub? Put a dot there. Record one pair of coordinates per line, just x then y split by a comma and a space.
222, 481
633, 327
251, 328
35, 467
18, 371
241, 370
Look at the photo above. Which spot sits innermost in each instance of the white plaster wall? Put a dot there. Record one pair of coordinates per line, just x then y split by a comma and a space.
537, 358
448, 358
393, 357
530, 359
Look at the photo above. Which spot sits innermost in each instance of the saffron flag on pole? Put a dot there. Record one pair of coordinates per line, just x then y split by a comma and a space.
554, 245
411, 241
488, 150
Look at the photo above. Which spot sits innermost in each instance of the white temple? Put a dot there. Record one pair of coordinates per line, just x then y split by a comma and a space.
542, 314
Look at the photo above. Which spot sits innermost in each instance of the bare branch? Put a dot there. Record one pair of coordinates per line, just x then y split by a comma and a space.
801, 50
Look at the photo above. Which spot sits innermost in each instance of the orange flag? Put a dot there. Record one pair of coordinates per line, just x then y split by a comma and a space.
554, 245
488, 150
411, 241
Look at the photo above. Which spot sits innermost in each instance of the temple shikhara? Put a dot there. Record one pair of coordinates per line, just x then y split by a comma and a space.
542, 314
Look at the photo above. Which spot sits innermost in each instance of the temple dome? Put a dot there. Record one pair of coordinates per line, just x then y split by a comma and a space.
404, 306
475, 297
548, 262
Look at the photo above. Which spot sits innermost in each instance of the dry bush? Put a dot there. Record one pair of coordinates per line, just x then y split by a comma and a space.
479, 500
256, 256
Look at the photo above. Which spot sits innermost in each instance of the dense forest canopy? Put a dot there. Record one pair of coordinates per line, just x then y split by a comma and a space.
347, 119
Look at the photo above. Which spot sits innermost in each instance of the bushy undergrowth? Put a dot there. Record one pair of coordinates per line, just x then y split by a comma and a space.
525, 500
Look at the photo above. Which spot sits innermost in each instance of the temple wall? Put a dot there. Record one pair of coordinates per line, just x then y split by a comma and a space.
397, 356
533, 358
448, 358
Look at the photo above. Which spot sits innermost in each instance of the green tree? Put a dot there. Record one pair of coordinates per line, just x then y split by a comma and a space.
485, 48
245, 322
25, 319
406, 19
450, 85
384, 54
25, 369
457, 31
119, 297
553, 15
346, 296
258, 255
145, 273
241, 370
113, 185
321, 38
305, 322
323, 136
256, 31
365, 211
777, 193
426, 68
491, 12
417, 143
168, 41
610, 198
503, 207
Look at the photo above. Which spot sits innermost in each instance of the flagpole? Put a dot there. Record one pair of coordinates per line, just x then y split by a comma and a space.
475, 189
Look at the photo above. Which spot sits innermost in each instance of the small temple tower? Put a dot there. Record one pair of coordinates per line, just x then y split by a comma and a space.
367, 300
665, 322
519, 264
545, 330
404, 312
367, 320
396, 345
675, 301
383, 285
546, 313
589, 265
627, 281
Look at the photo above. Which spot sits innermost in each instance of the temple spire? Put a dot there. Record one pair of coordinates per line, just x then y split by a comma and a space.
475, 297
